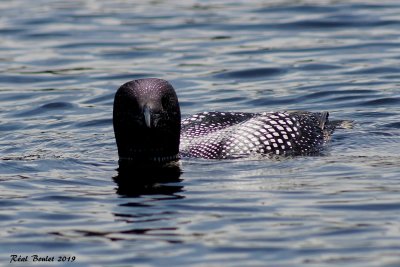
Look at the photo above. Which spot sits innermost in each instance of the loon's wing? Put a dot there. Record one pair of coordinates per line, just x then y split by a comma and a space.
323, 119
205, 134
319, 119
202, 124
231, 135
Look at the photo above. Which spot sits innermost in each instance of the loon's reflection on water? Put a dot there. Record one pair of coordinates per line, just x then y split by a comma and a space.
134, 180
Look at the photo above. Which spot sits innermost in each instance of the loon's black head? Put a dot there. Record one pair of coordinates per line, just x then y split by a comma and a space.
147, 121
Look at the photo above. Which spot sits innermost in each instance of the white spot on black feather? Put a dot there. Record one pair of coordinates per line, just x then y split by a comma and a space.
221, 135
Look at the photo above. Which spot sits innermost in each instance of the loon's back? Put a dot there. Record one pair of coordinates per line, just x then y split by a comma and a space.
219, 135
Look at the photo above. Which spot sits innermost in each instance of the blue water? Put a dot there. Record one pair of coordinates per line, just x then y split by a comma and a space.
61, 63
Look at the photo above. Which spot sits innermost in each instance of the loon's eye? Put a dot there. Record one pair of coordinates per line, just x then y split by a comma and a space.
166, 102
133, 106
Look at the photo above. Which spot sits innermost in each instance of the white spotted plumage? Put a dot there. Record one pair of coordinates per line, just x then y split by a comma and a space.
230, 135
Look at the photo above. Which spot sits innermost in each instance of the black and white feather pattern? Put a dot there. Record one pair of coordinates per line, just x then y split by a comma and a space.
219, 135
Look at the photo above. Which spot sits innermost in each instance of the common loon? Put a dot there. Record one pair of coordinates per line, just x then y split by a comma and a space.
148, 128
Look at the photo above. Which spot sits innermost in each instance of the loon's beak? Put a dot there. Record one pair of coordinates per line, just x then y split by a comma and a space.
147, 116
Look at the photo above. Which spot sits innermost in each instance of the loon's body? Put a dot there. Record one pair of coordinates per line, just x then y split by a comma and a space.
221, 135
148, 128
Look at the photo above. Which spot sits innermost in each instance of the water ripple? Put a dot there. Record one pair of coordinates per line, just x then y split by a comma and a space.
259, 73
